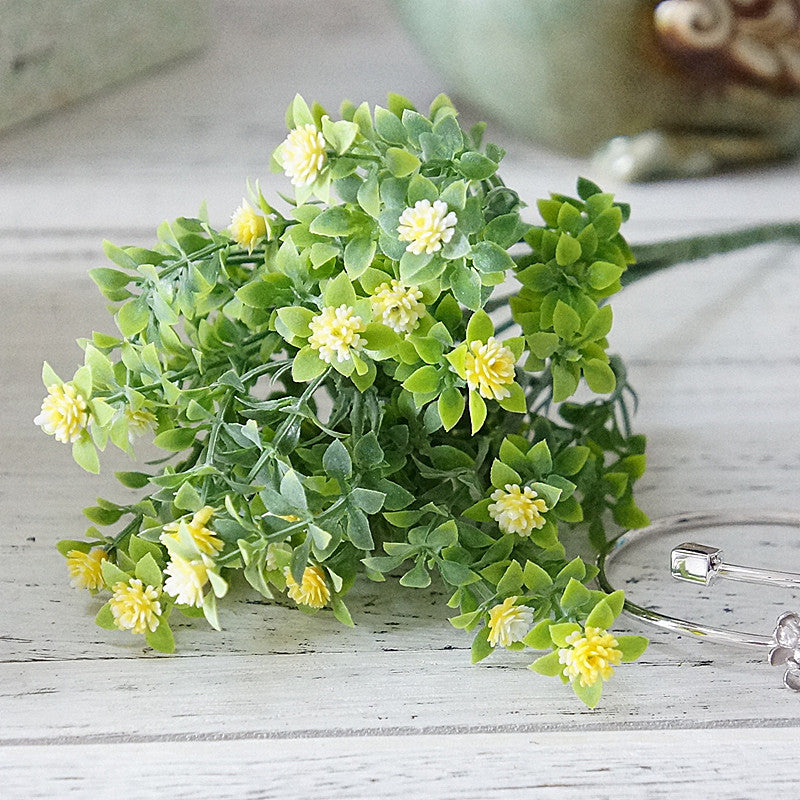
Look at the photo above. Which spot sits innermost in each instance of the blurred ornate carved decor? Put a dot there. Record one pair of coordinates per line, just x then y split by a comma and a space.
755, 41
53, 52
654, 88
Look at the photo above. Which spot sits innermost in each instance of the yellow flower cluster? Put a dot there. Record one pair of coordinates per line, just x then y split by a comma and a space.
311, 591
517, 510
63, 413
509, 623
247, 227
489, 367
207, 543
335, 332
85, 569
590, 656
303, 155
426, 227
398, 306
135, 607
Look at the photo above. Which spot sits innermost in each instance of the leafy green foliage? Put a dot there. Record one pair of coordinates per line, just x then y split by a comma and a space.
316, 397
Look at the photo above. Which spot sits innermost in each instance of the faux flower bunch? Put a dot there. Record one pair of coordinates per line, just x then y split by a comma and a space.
335, 398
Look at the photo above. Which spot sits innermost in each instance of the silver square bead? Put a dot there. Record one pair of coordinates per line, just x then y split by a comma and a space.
696, 563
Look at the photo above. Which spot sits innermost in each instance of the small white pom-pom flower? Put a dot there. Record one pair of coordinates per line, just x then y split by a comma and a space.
517, 510
335, 332
64, 413
139, 422
398, 306
509, 623
303, 155
186, 580
426, 227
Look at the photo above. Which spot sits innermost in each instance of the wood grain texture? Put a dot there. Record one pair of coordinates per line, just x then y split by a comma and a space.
280, 702
550, 766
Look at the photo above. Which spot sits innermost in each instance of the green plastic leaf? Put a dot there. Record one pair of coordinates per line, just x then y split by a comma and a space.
340, 611
112, 574
417, 577
307, 365
477, 411
511, 582
339, 291
490, 257
599, 376
293, 492
561, 630
548, 665
358, 255
480, 327
425, 379
568, 250
336, 460
161, 638
476, 166
188, 498
400, 162
85, 454
539, 637
133, 317
603, 273
451, 407
515, 401
588, 695
148, 572
601, 616
480, 645
502, 474
105, 619
631, 647
389, 126
175, 439
566, 321
575, 595
536, 578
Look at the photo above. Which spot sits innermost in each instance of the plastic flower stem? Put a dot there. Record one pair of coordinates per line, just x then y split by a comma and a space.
200, 254
651, 258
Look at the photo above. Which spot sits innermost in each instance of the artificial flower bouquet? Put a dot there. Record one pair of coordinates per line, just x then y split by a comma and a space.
341, 390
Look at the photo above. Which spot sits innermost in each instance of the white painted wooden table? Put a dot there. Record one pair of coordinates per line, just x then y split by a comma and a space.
280, 704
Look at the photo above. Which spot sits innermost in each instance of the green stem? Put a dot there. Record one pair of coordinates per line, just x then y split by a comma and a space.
651, 258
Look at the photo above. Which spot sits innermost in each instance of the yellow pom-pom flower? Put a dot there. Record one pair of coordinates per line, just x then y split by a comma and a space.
186, 580
303, 155
489, 368
207, 543
517, 510
335, 332
398, 306
247, 227
426, 226
85, 569
590, 656
508, 623
64, 413
311, 591
134, 606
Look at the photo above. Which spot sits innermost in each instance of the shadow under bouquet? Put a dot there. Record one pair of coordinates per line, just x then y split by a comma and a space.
380, 380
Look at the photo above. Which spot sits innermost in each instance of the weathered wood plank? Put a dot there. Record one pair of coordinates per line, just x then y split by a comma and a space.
622, 765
